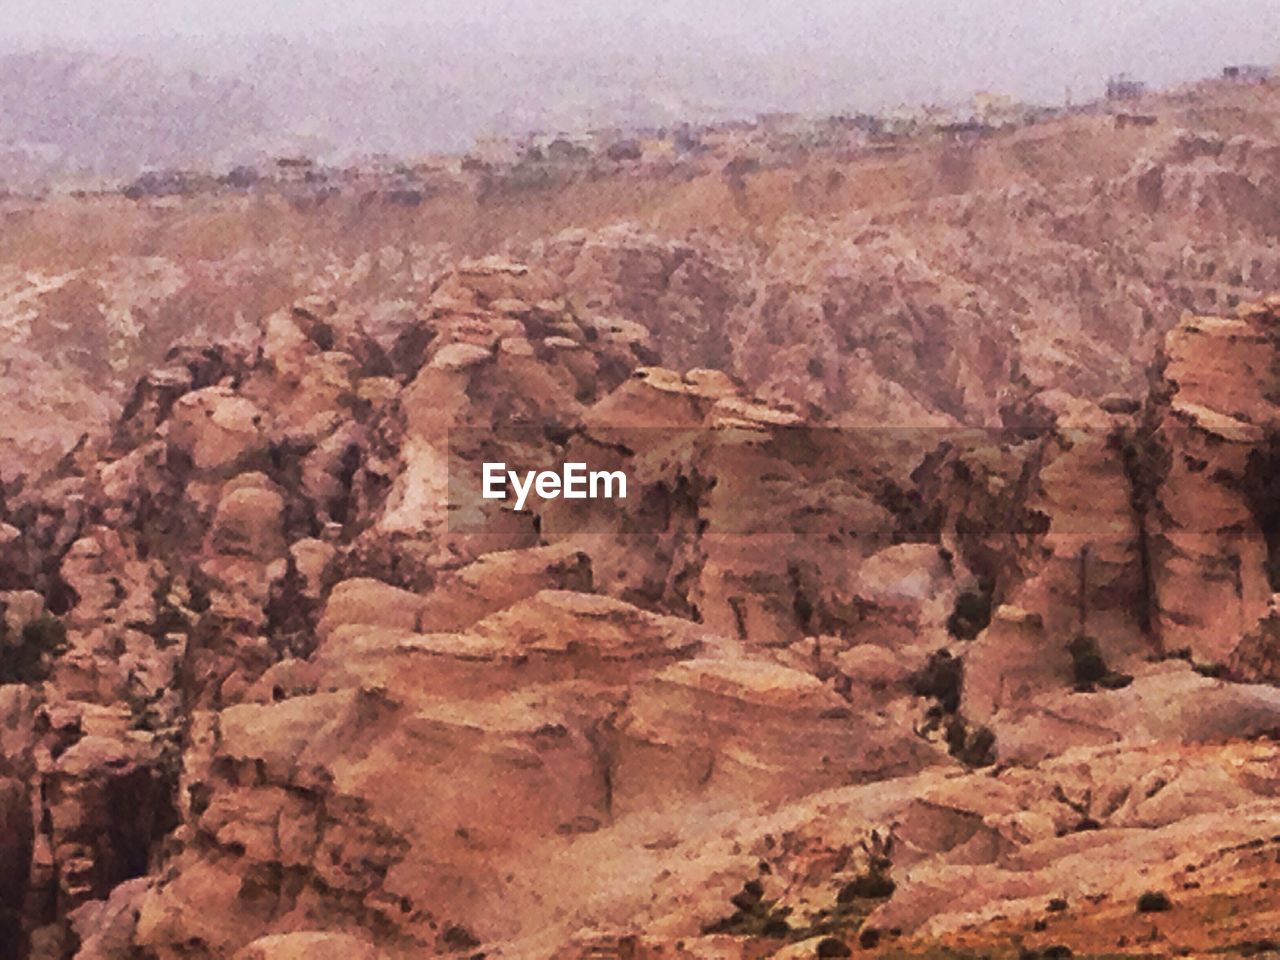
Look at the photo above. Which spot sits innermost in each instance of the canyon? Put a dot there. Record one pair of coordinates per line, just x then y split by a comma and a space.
941, 616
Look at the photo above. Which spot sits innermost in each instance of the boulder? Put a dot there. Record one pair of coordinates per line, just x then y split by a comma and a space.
368, 602
310, 945
250, 519
217, 428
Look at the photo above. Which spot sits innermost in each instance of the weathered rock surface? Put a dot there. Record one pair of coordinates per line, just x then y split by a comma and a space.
299, 708
900, 641
1212, 516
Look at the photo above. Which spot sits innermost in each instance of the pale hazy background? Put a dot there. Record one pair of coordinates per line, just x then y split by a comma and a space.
110, 86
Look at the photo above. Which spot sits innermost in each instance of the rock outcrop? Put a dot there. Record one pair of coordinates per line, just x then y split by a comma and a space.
940, 612
1212, 517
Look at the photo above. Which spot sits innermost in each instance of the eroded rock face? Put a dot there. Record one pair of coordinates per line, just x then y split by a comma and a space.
1256, 657
503, 705
106, 809
1212, 530
278, 690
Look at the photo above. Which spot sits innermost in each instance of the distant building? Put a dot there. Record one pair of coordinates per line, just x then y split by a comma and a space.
1124, 87
1246, 73
866, 123
568, 149
496, 151
998, 110
436, 163
602, 139
168, 183
910, 120
295, 169
780, 122
658, 147
624, 150
241, 177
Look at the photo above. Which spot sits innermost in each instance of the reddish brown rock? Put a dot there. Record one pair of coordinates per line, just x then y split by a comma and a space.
1210, 557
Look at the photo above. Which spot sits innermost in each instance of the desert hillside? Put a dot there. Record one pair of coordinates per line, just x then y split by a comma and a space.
1049, 256
941, 617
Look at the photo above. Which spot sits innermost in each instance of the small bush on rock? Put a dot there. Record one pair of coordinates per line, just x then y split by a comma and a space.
1090, 668
28, 657
971, 615
1153, 901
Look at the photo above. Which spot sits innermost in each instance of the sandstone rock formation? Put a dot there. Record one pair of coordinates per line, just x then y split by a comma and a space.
1212, 519
888, 650
292, 715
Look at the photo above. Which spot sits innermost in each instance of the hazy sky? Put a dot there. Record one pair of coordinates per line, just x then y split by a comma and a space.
1029, 46
407, 75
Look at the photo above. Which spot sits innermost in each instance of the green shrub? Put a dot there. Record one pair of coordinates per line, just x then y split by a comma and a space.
971, 615
941, 678
754, 916
1090, 668
1086, 660
1153, 901
872, 885
27, 658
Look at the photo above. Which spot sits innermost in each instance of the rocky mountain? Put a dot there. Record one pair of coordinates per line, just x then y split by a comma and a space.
939, 619
935, 281
264, 699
